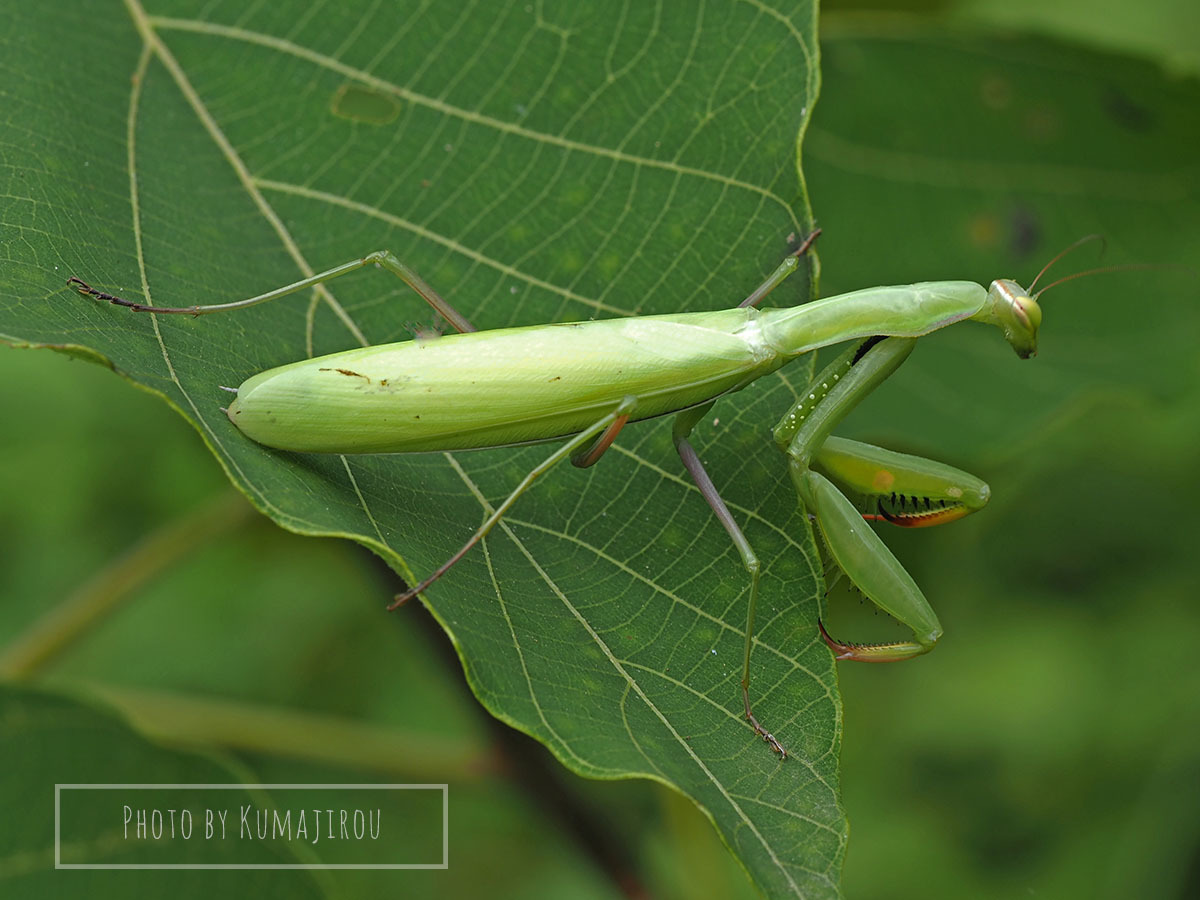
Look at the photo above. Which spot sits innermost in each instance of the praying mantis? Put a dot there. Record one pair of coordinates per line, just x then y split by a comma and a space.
584, 381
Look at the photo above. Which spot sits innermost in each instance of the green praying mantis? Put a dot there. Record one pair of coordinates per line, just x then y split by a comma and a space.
584, 381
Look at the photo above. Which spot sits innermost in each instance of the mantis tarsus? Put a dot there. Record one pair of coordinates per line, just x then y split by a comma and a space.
584, 381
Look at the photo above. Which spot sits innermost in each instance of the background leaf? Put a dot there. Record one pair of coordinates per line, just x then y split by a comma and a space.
42, 732
1049, 745
538, 164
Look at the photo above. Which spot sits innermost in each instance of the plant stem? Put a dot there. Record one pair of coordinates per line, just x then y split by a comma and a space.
60, 626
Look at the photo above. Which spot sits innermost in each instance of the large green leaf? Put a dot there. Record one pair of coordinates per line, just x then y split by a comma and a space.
535, 164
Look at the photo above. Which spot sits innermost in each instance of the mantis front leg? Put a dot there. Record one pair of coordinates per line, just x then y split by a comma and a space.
902, 489
895, 487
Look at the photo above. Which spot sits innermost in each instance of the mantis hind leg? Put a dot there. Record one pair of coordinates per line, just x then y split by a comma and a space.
602, 427
382, 258
586, 457
684, 423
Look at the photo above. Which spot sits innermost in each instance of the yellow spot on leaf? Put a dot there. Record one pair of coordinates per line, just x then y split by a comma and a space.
359, 104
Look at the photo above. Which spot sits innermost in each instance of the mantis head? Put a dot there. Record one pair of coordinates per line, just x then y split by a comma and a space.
1015, 310
1017, 314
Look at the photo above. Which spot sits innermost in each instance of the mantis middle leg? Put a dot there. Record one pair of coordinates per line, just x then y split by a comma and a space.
684, 423
583, 449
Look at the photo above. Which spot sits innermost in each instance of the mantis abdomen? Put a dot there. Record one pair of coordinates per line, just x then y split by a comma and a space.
502, 387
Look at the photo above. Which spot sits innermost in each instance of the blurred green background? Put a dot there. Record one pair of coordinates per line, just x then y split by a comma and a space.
1049, 747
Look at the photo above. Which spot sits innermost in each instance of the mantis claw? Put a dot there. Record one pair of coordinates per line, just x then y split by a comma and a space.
767, 737
891, 652
400, 599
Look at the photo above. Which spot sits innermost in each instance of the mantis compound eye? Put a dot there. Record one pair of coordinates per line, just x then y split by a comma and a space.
1017, 314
